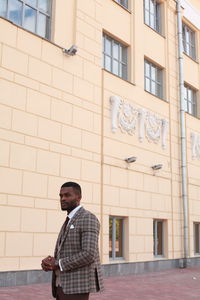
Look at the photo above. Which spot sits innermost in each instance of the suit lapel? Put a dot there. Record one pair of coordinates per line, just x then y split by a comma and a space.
59, 239
71, 222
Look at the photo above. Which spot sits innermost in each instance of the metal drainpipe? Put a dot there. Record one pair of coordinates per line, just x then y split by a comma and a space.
183, 136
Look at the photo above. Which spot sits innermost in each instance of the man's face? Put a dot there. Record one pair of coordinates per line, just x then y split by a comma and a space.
69, 198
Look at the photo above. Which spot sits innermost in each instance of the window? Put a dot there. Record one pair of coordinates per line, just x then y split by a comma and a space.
115, 57
197, 238
116, 237
190, 101
152, 14
123, 3
158, 237
189, 41
153, 79
33, 15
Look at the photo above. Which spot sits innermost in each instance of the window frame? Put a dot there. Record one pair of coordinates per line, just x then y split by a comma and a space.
155, 238
158, 82
38, 11
189, 43
126, 6
157, 15
113, 240
192, 102
195, 250
119, 61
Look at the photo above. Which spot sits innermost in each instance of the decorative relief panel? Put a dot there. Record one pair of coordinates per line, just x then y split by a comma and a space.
153, 127
195, 145
130, 119
127, 118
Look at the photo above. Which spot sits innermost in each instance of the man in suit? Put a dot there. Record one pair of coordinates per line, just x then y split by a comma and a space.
76, 264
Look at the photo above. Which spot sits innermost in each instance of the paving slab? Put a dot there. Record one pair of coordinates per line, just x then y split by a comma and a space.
173, 284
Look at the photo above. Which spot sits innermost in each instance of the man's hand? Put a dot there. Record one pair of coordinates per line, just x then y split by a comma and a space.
49, 264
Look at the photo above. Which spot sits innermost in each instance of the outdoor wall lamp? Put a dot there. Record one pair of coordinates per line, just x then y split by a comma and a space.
157, 167
130, 159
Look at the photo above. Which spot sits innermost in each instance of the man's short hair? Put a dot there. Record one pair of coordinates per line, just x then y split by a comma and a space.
74, 185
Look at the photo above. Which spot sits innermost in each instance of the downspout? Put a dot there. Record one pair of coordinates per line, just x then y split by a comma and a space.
183, 135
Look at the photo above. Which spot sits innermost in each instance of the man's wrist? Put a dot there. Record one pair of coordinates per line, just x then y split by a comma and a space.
56, 265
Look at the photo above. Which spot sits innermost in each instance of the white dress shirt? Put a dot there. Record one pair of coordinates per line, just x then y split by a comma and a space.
73, 212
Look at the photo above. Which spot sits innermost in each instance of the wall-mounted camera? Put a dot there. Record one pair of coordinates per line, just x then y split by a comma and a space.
71, 51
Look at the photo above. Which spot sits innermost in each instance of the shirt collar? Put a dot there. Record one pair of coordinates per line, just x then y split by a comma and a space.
73, 212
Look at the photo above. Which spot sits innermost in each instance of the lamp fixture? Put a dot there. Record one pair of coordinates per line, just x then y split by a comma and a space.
157, 167
130, 159
71, 51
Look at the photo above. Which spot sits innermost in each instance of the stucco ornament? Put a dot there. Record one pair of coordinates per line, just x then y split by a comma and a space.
153, 127
128, 118
115, 107
141, 121
165, 127
195, 145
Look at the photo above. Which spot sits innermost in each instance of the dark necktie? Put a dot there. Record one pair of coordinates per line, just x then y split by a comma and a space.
64, 229
65, 224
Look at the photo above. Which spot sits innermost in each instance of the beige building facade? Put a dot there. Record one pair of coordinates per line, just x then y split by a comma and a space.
106, 114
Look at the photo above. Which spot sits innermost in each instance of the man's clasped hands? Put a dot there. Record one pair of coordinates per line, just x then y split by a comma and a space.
49, 264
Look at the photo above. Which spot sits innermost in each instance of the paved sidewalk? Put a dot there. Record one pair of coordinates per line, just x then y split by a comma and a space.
183, 284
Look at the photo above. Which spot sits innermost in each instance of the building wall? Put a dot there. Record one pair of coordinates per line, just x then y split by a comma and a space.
56, 126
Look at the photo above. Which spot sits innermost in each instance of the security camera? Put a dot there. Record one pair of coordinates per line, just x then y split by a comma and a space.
71, 51
157, 167
130, 159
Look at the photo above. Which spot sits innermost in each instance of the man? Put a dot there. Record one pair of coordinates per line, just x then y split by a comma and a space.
75, 265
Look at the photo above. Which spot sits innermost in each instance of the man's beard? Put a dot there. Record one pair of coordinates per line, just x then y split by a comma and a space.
68, 209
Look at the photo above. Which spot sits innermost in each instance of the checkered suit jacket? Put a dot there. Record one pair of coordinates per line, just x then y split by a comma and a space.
79, 255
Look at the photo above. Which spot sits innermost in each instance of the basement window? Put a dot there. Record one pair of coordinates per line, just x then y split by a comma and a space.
158, 238
116, 237
197, 238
